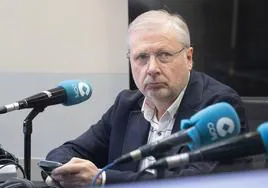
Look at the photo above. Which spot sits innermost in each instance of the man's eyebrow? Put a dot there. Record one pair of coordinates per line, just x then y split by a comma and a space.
140, 52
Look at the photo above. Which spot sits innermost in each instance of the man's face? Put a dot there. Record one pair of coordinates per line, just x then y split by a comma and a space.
160, 64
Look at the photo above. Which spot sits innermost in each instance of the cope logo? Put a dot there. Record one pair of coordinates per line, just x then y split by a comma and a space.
83, 89
224, 127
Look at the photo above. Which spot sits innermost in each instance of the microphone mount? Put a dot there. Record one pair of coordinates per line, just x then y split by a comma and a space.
27, 130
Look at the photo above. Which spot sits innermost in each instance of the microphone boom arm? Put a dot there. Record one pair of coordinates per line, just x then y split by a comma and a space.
27, 130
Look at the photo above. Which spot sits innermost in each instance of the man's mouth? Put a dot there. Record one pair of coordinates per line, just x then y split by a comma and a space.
154, 85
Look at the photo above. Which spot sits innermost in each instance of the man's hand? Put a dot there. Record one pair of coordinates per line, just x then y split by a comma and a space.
76, 173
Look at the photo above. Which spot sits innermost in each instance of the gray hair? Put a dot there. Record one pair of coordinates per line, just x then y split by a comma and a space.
151, 20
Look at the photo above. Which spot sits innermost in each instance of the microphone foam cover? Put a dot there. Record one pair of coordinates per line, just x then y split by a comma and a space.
263, 130
213, 123
77, 91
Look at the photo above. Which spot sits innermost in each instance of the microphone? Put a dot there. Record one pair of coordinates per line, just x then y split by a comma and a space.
68, 92
213, 123
248, 144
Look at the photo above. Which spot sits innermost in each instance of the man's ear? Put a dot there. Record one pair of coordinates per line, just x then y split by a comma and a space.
189, 57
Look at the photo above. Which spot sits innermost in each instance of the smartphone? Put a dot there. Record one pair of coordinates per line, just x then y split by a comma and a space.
47, 166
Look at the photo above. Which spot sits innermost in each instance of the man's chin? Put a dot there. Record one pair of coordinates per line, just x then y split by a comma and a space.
158, 94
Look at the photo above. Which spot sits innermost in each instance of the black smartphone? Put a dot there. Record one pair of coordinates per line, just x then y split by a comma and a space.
47, 166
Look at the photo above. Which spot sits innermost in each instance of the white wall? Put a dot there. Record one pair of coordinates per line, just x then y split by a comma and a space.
45, 42
63, 36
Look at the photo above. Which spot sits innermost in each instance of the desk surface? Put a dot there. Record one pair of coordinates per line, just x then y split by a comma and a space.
245, 179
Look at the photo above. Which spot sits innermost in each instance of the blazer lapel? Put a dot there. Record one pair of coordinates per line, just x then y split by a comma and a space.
190, 102
188, 107
184, 113
136, 135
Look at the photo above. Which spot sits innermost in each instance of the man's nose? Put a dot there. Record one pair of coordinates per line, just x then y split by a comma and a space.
153, 66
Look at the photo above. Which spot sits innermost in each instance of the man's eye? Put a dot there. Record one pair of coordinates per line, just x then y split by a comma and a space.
164, 54
141, 57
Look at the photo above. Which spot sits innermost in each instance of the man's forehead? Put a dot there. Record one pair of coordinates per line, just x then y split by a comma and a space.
153, 39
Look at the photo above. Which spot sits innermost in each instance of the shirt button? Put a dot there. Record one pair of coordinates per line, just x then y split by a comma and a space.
159, 133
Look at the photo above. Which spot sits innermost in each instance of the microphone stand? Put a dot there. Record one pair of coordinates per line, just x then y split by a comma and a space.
160, 172
27, 130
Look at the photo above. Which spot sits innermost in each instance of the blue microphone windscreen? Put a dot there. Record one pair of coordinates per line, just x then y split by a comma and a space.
214, 123
77, 91
263, 130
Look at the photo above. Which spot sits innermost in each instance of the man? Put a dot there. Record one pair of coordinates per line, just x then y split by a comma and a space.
169, 91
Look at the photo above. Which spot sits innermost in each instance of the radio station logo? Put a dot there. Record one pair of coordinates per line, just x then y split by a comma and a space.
83, 89
224, 127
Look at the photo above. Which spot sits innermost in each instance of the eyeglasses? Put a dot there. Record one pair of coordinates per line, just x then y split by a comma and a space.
162, 56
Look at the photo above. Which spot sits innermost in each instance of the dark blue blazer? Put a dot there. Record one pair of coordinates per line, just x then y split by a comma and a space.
123, 128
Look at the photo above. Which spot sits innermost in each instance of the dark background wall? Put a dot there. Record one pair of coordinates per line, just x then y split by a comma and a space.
229, 39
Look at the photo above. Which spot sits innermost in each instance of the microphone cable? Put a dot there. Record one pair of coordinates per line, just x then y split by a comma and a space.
7, 158
93, 183
12, 162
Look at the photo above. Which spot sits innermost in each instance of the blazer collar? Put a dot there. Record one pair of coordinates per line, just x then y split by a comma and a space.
193, 93
190, 102
136, 135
